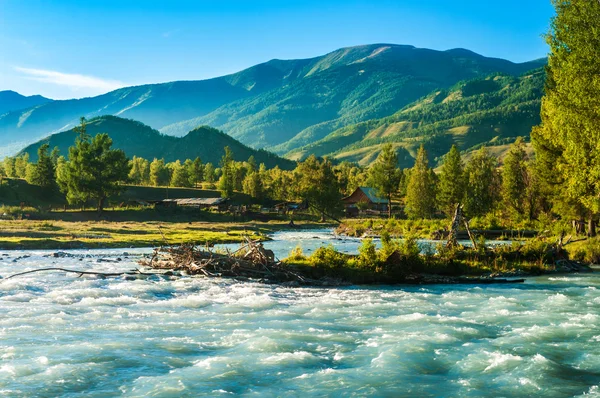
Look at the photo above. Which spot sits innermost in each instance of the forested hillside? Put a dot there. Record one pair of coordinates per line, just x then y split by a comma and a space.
485, 111
137, 139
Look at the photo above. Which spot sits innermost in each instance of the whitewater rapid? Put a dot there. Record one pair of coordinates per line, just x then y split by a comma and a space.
61, 335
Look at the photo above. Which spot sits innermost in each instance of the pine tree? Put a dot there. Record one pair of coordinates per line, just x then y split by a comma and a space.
481, 184
451, 187
195, 171
21, 163
179, 176
42, 172
54, 155
252, 166
159, 174
94, 170
385, 176
227, 180
514, 179
209, 173
253, 185
140, 171
9, 167
317, 184
566, 142
420, 191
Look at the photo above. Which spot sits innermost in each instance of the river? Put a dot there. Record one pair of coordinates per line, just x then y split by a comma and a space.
61, 335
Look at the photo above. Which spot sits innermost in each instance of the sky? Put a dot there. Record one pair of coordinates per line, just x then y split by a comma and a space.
74, 49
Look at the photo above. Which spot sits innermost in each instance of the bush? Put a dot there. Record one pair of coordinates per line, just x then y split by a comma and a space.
328, 257
17, 211
538, 250
297, 254
388, 246
367, 254
489, 221
589, 252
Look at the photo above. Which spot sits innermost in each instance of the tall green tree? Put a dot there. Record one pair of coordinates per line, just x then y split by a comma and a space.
481, 184
253, 185
420, 191
515, 178
451, 187
196, 171
159, 174
9, 167
42, 172
140, 171
252, 166
21, 163
384, 174
54, 155
227, 180
567, 139
209, 172
94, 171
317, 184
179, 176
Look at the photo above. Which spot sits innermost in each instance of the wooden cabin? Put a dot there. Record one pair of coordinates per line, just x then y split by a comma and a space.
219, 204
365, 195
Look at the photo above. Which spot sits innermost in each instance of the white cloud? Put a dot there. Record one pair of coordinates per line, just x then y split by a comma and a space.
73, 81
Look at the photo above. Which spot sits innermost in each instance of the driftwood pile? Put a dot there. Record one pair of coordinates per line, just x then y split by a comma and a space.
250, 261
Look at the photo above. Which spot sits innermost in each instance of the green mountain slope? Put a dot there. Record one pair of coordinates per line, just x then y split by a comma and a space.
483, 111
280, 104
137, 139
344, 87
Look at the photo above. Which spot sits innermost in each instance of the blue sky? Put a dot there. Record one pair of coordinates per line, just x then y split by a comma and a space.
73, 49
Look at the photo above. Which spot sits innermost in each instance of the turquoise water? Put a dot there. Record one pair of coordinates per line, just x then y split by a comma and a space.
66, 336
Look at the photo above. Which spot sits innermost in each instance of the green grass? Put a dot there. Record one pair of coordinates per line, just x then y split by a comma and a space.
30, 234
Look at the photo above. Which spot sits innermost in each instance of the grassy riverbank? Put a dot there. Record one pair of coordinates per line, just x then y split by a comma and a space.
59, 234
402, 261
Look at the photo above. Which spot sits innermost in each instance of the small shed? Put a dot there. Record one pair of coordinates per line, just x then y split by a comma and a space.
199, 203
365, 195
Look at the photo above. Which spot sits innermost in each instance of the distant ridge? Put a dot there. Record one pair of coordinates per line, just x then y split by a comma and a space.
13, 101
137, 139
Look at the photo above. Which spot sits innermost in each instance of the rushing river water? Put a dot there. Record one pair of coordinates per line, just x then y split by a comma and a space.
61, 335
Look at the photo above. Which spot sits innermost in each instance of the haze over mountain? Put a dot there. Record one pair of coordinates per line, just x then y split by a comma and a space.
137, 139
280, 105
12, 101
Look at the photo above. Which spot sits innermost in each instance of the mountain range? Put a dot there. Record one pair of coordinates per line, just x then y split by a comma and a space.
280, 105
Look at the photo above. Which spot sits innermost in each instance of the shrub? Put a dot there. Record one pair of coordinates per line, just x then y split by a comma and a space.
17, 211
388, 246
328, 257
589, 252
367, 254
538, 249
297, 254
409, 247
